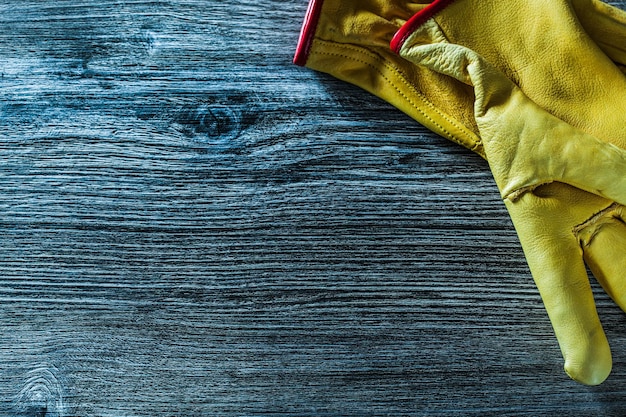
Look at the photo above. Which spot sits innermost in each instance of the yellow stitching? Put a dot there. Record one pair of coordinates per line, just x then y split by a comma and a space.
403, 78
595, 218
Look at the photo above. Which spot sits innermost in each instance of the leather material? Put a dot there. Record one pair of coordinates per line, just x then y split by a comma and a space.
605, 24
540, 48
546, 51
350, 40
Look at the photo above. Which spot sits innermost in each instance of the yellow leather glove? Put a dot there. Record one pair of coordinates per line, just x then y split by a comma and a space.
535, 159
349, 40
545, 50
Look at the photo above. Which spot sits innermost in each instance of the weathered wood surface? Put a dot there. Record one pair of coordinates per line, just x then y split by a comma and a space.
193, 226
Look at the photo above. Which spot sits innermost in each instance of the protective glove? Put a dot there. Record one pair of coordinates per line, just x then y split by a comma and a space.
349, 40
545, 49
532, 156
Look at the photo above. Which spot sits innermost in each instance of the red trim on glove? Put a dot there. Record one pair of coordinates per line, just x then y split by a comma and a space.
416, 21
307, 32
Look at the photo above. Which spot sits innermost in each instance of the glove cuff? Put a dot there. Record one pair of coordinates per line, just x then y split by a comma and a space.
307, 33
416, 21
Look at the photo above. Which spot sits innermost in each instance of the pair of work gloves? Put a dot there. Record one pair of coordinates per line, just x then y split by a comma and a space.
535, 87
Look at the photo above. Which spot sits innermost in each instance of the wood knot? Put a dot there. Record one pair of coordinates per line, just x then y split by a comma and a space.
41, 394
210, 122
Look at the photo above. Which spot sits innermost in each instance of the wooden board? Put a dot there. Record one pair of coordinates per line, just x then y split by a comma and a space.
190, 225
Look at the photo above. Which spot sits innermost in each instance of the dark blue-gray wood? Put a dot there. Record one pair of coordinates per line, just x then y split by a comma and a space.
190, 225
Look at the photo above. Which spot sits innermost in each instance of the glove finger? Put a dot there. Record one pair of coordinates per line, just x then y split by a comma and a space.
556, 263
603, 239
606, 25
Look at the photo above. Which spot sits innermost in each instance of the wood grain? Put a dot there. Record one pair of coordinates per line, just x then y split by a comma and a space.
192, 226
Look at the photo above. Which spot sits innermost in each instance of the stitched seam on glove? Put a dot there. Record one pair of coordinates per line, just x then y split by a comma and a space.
515, 195
595, 219
477, 144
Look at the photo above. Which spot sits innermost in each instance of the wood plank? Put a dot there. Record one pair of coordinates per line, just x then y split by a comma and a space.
191, 225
